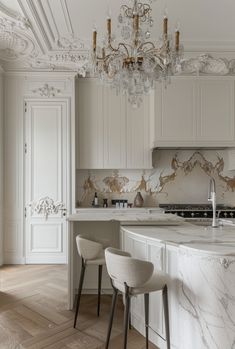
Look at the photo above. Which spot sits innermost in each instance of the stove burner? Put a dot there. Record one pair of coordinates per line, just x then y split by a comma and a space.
198, 210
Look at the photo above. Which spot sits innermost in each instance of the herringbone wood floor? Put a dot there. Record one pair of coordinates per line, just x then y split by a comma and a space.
33, 313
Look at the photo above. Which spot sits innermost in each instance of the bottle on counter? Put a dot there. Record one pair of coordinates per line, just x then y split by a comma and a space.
96, 202
105, 203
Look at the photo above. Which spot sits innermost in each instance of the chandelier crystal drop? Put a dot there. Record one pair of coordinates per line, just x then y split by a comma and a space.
134, 65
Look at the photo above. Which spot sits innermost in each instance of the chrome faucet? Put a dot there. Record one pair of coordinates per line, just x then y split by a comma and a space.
212, 198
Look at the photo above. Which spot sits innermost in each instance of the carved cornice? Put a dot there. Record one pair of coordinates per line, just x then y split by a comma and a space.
13, 20
206, 64
69, 43
47, 91
46, 207
18, 48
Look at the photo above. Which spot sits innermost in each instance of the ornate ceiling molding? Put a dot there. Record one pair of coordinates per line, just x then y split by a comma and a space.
206, 64
19, 48
15, 20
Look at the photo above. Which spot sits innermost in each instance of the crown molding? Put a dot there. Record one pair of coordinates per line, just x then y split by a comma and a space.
32, 42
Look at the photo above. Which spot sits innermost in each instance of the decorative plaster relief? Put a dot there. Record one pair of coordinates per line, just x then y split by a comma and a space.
205, 64
47, 91
46, 206
115, 183
70, 43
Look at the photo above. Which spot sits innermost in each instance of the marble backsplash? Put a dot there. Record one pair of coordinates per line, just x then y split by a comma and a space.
178, 176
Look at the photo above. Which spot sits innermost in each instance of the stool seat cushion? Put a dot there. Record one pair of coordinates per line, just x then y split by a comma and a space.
99, 260
156, 283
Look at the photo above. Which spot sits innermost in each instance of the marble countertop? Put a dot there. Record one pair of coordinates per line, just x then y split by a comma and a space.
196, 239
146, 216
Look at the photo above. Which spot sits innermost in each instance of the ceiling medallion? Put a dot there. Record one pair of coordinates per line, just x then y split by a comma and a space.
133, 65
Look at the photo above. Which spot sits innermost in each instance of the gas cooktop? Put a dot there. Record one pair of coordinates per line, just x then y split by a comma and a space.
198, 210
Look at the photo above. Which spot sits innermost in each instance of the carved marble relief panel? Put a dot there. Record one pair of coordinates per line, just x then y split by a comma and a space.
178, 176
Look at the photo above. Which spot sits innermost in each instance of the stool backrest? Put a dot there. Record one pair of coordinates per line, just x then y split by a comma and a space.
122, 268
88, 249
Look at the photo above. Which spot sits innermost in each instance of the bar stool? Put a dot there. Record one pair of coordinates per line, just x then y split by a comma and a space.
91, 253
133, 277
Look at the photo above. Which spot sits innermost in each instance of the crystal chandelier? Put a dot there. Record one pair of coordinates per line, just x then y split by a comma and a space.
133, 65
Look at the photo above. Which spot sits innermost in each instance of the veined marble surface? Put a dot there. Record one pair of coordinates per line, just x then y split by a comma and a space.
205, 282
195, 239
129, 215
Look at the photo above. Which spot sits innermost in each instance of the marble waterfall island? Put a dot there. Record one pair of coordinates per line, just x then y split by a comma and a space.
201, 265
200, 262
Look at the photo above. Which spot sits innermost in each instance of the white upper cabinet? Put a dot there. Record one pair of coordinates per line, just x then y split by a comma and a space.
195, 112
90, 132
139, 135
114, 129
216, 111
110, 133
175, 115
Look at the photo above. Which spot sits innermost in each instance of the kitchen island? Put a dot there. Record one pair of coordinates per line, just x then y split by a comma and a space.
201, 265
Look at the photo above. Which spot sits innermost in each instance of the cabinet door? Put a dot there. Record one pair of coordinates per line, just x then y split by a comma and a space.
139, 154
216, 111
114, 129
155, 252
90, 135
175, 113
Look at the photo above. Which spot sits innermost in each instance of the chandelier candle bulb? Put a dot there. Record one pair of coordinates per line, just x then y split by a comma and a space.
165, 25
94, 39
136, 22
109, 26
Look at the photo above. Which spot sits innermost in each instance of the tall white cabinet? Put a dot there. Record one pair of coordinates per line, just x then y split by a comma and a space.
111, 133
47, 149
39, 139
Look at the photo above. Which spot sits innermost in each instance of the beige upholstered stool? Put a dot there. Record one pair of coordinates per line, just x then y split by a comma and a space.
133, 277
91, 253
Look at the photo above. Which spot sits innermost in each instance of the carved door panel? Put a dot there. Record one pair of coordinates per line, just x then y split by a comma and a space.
46, 180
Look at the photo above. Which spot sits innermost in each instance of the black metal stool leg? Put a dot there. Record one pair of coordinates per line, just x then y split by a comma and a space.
126, 315
146, 310
114, 300
166, 315
79, 291
130, 315
99, 289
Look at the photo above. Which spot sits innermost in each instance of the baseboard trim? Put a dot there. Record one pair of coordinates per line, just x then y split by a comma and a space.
13, 259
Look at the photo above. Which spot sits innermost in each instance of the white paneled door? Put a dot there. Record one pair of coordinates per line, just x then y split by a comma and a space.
46, 180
